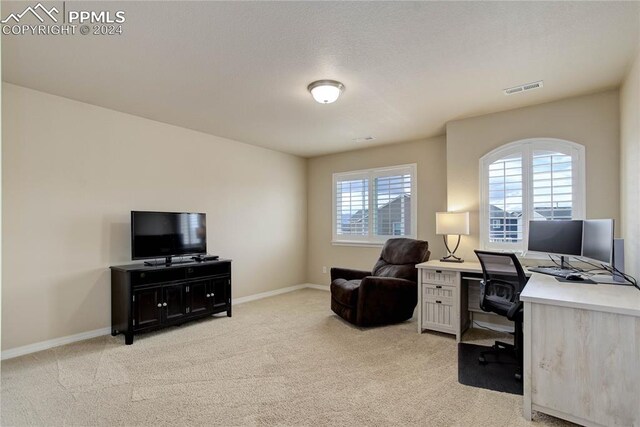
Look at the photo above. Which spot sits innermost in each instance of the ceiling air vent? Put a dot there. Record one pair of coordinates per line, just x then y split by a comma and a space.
523, 88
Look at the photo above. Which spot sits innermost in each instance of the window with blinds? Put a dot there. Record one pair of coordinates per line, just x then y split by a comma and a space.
540, 179
352, 207
552, 185
505, 199
372, 205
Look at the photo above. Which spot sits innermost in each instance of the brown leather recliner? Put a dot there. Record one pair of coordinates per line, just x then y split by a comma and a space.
388, 294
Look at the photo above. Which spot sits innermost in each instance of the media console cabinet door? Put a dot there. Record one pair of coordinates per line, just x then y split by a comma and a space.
174, 304
199, 297
147, 307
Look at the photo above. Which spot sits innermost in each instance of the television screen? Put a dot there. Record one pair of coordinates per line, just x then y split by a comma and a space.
556, 237
164, 234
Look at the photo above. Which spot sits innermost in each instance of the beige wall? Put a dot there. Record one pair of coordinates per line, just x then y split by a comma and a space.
630, 168
72, 172
430, 158
591, 120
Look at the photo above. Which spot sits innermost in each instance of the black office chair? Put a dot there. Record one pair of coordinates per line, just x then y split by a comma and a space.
500, 289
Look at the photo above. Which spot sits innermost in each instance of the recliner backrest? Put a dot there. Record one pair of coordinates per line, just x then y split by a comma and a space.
399, 258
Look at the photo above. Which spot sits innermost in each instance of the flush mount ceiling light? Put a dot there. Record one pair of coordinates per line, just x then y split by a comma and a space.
325, 91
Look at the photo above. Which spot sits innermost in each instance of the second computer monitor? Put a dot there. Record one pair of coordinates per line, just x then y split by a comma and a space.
597, 240
556, 237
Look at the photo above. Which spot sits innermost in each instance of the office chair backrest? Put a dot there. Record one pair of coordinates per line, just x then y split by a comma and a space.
399, 258
504, 276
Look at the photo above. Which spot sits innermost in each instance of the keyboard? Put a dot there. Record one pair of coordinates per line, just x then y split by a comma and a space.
551, 271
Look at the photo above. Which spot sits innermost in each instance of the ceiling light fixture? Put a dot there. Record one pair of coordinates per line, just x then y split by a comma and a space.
325, 91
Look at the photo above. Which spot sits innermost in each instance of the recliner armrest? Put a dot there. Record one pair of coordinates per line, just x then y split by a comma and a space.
385, 300
348, 274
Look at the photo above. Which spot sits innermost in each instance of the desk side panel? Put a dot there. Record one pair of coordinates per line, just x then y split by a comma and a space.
585, 363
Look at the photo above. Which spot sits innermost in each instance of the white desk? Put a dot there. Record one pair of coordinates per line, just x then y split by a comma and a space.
582, 351
442, 297
581, 341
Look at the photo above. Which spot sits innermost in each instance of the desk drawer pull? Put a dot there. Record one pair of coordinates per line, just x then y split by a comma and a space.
438, 286
438, 271
438, 302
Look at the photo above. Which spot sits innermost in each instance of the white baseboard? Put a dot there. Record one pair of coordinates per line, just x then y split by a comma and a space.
56, 342
319, 287
267, 294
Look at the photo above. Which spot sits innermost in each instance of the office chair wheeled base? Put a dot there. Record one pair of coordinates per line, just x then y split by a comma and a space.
498, 348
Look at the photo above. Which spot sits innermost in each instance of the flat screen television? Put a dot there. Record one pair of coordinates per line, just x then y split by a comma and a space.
167, 234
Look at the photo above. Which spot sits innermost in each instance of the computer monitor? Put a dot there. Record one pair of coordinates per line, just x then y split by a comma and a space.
561, 237
597, 240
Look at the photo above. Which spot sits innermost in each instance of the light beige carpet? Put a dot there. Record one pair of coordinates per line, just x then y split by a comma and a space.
286, 360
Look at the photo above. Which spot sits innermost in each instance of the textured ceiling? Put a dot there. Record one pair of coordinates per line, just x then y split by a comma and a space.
240, 69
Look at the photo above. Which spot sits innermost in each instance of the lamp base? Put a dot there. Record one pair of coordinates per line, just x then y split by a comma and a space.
449, 259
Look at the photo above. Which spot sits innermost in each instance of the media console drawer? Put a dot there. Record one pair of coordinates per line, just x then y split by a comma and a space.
147, 277
204, 270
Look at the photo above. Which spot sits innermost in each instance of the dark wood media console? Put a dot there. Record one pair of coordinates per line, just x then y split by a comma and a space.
145, 298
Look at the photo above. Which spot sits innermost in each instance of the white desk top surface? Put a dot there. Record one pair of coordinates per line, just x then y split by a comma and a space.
545, 289
465, 267
619, 299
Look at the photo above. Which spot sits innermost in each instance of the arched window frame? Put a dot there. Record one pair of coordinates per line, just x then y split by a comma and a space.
525, 148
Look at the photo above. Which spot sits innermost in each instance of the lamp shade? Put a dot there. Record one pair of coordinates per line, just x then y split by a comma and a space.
452, 222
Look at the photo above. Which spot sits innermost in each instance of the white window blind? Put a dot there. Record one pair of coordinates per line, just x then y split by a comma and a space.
540, 179
375, 204
352, 207
552, 185
505, 199
393, 205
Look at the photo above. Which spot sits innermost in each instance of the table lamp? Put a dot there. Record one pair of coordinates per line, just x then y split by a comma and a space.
452, 223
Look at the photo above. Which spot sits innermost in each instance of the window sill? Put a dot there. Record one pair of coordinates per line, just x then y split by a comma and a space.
357, 243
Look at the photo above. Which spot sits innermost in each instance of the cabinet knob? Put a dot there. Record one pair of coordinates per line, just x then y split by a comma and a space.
438, 287
437, 302
142, 274
208, 295
159, 304
164, 304
190, 270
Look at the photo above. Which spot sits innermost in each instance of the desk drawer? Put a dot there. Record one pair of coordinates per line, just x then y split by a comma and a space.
439, 277
439, 312
439, 291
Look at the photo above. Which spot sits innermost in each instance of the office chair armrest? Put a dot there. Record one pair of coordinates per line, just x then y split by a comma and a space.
348, 274
517, 306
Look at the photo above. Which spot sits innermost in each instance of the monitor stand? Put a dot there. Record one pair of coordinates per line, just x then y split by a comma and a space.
562, 264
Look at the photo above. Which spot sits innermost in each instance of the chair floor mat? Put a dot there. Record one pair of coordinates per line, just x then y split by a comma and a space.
492, 376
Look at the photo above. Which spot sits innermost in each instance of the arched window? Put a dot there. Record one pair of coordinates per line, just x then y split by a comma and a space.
531, 179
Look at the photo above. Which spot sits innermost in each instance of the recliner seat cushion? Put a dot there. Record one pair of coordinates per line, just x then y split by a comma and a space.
345, 291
